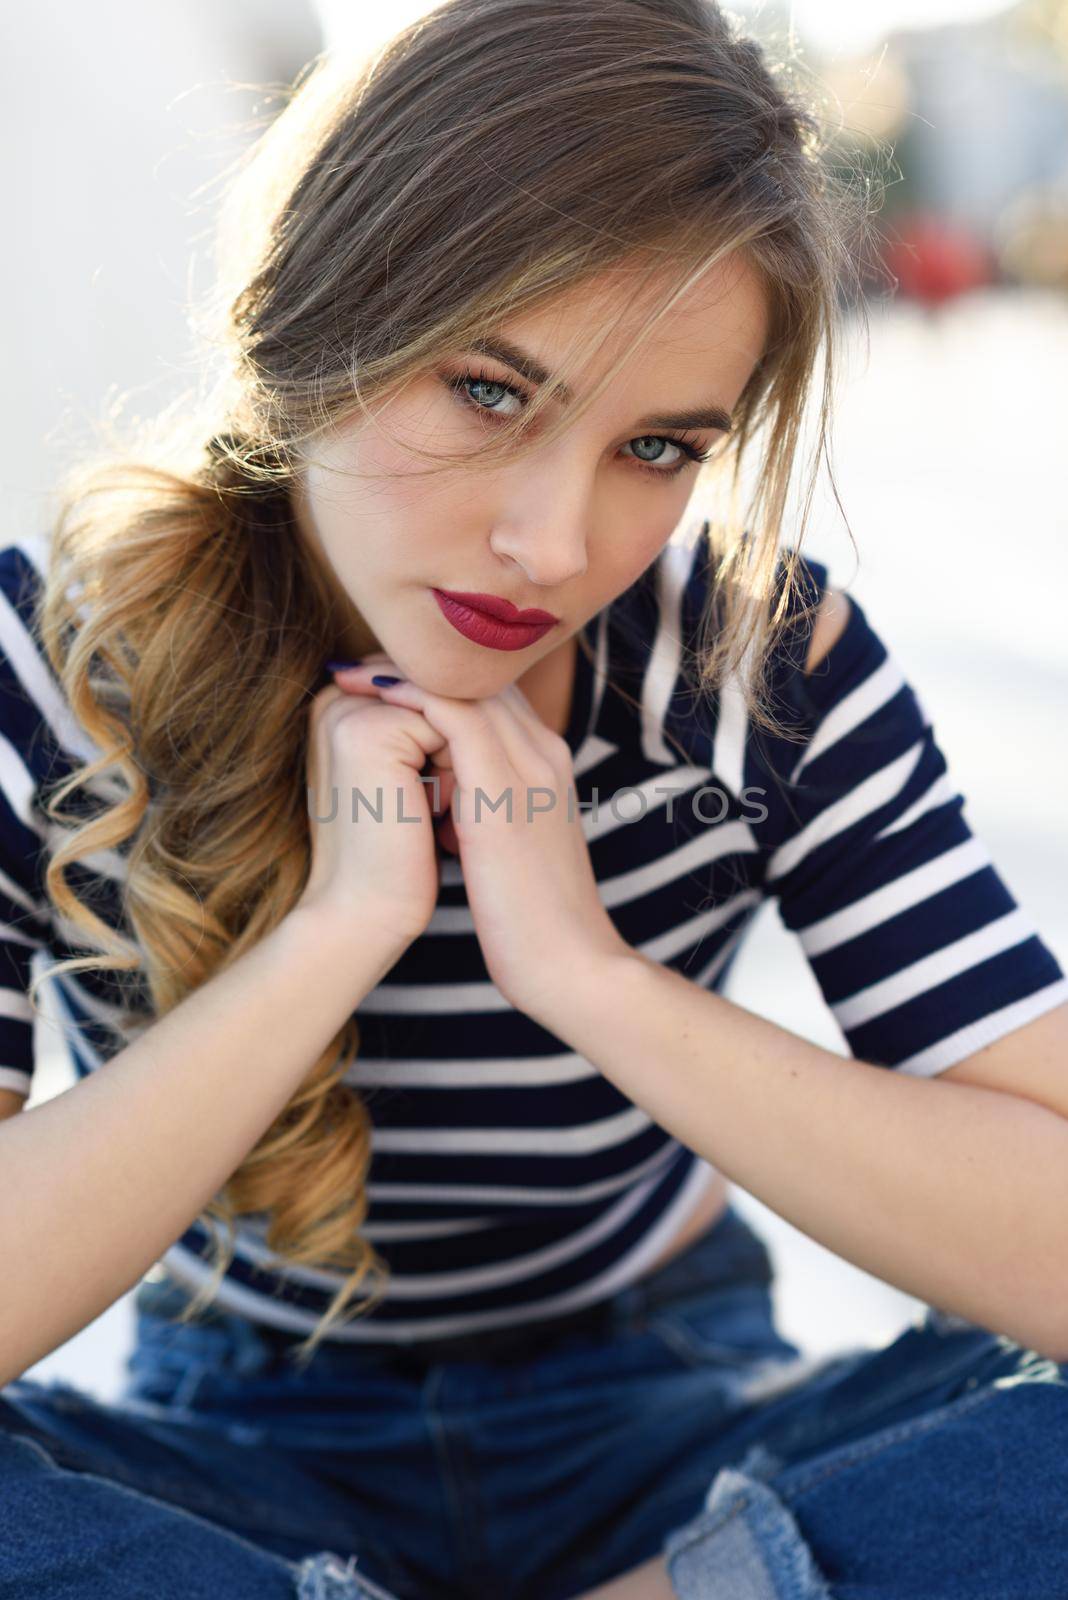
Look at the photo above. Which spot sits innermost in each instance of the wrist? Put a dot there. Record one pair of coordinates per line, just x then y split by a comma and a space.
580, 987
361, 949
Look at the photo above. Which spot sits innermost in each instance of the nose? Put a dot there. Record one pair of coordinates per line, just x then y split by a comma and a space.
547, 535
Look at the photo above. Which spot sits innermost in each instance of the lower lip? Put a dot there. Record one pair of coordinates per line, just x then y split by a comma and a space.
482, 629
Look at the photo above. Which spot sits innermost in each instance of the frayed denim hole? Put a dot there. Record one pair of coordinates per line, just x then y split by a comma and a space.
757, 1541
757, 1462
326, 1577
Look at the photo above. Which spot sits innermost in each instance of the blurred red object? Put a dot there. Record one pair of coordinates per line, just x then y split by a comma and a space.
934, 259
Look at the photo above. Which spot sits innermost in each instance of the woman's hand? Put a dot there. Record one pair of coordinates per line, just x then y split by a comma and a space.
528, 875
375, 878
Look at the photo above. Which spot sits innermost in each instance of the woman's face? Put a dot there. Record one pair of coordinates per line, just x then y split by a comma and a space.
567, 528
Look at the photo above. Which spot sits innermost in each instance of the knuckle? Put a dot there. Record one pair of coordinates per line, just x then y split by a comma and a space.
542, 773
319, 702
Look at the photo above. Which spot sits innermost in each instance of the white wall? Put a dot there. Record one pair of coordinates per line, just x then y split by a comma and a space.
113, 118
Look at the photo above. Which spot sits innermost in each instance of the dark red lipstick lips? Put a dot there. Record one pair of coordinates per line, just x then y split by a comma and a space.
491, 622
503, 610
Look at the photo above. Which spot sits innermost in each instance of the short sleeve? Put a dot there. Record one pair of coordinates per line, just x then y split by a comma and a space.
25, 919
918, 946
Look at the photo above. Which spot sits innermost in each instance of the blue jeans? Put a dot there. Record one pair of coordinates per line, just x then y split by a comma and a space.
540, 1462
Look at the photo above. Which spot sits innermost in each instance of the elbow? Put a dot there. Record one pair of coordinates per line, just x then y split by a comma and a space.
1054, 1350
1051, 1342
1045, 1330
1050, 1313
1032, 1295
1036, 1322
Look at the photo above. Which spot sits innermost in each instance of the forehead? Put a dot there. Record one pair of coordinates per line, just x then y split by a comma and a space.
723, 317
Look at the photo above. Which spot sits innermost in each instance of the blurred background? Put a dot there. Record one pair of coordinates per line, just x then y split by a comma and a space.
949, 443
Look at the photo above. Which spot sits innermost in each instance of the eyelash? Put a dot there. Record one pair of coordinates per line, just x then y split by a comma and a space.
691, 451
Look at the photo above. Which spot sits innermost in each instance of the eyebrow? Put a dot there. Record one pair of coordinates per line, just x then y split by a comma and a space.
501, 349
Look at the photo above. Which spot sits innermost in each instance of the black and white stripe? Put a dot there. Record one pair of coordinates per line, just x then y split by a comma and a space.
510, 1179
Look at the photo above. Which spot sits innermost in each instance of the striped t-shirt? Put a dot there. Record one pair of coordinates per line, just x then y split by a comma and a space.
511, 1180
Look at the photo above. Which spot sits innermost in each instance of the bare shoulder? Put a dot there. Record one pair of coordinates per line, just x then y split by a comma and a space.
10, 1102
831, 619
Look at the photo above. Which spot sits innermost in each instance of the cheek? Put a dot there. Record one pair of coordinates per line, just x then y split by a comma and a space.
637, 548
424, 506
647, 542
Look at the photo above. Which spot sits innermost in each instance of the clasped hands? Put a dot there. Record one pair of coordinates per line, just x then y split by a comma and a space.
527, 872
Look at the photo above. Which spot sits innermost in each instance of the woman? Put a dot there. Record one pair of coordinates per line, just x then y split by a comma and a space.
410, 993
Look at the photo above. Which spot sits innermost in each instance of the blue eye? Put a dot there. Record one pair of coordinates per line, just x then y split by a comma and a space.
690, 451
477, 381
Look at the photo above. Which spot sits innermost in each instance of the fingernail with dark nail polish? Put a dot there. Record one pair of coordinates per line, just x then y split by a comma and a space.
339, 666
384, 682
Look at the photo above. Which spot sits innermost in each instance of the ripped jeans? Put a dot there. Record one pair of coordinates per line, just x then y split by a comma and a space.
537, 1463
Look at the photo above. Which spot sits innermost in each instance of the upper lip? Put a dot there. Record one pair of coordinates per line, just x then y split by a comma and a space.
494, 606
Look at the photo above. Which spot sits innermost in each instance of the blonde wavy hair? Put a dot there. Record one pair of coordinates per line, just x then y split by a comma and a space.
489, 156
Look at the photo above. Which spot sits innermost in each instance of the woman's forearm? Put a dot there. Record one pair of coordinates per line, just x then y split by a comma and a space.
955, 1194
98, 1181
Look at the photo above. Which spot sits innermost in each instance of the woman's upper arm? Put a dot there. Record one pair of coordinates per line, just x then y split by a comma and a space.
1031, 1061
922, 952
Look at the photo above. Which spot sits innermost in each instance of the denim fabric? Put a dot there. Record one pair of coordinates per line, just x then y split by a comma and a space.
540, 1462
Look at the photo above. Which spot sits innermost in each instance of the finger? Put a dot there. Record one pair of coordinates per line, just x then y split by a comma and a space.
357, 680
443, 789
520, 731
525, 714
478, 756
409, 725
